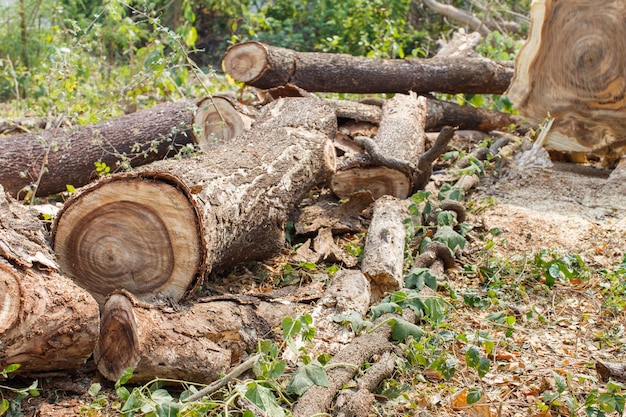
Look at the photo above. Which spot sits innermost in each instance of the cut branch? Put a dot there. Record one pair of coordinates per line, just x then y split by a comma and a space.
264, 66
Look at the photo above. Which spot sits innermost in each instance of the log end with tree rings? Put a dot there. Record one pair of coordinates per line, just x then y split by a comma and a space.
568, 71
136, 232
10, 297
216, 121
118, 346
378, 180
246, 61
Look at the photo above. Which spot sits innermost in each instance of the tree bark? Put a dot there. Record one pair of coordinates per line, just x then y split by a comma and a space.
156, 233
317, 399
46, 322
383, 253
194, 344
264, 66
47, 161
567, 71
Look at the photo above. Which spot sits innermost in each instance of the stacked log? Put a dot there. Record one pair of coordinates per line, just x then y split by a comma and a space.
156, 233
47, 322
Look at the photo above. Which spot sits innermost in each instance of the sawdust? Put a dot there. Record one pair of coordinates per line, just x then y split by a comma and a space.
568, 209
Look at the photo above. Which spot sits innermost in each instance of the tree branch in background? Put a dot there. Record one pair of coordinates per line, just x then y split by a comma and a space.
467, 19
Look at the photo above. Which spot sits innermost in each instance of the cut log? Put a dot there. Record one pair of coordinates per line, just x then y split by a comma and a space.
156, 233
47, 323
219, 119
194, 344
399, 142
53, 158
264, 66
383, 253
438, 114
568, 71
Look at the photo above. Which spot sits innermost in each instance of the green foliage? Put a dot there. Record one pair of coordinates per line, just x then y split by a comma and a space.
358, 27
594, 404
11, 404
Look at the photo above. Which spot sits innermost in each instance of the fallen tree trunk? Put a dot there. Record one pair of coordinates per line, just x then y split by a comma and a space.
156, 233
46, 321
264, 66
195, 344
45, 162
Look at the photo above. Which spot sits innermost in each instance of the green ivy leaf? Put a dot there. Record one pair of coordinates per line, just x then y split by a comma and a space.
167, 409
483, 367
449, 192
94, 389
126, 375
4, 406
353, 319
417, 278
402, 329
447, 235
472, 357
474, 395
263, 398
306, 376
385, 308
291, 327
435, 308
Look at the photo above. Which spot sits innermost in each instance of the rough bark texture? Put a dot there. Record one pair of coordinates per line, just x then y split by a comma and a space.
401, 130
265, 66
195, 344
53, 158
317, 399
383, 253
240, 195
46, 321
569, 71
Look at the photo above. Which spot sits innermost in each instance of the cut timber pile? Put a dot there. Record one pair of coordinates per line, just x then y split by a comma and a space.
142, 242
157, 232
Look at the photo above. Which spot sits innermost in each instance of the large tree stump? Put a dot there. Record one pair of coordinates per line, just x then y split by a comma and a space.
53, 158
156, 233
46, 322
265, 66
571, 69
193, 344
